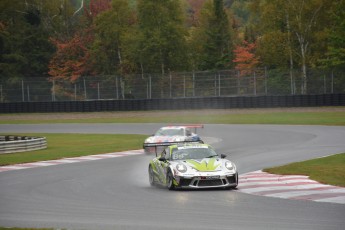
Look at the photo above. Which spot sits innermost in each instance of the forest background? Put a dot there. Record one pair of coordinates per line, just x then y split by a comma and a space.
66, 40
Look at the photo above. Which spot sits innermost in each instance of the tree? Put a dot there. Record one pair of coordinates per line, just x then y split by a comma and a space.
114, 33
335, 55
245, 58
72, 58
301, 22
25, 49
213, 37
162, 43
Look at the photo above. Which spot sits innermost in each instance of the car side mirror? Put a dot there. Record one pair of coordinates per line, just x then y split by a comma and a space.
222, 156
162, 159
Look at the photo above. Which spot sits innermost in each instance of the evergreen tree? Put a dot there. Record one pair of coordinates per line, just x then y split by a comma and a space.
217, 47
162, 43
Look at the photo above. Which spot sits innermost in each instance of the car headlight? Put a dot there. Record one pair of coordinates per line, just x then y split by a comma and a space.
230, 166
181, 168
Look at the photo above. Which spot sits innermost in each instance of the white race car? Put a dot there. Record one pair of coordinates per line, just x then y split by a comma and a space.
169, 135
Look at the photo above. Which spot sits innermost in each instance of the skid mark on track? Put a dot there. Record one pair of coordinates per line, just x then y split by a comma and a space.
70, 160
289, 187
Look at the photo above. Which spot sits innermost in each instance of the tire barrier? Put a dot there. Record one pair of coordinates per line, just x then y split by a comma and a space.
14, 144
175, 103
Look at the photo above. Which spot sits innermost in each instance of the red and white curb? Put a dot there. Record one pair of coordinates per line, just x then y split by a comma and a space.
289, 187
70, 160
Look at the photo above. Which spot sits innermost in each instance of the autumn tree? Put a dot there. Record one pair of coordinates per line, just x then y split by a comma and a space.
245, 58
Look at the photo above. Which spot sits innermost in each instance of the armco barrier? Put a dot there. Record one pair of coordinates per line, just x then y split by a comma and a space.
176, 103
14, 144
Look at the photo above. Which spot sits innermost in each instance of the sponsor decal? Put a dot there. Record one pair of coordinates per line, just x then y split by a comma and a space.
204, 166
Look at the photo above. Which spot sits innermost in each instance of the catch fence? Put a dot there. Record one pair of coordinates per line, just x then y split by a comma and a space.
258, 82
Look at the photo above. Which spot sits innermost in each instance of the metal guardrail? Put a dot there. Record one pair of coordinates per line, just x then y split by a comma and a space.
14, 144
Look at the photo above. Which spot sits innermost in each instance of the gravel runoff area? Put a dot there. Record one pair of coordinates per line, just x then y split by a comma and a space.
118, 114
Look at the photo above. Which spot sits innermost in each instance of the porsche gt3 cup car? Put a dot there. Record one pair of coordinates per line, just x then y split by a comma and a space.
169, 135
192, 166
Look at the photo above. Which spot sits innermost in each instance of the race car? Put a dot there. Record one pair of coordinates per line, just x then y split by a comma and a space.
169, 135
192, 166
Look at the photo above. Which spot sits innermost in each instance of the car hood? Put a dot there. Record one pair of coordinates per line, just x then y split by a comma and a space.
205, 164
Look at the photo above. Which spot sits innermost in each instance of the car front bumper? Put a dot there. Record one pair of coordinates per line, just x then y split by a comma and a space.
212, 181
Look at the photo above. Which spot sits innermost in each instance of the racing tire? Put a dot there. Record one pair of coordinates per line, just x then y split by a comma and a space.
151, 176
170, 181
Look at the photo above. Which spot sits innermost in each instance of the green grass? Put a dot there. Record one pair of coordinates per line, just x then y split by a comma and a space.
75, 145
326, 170
288, 118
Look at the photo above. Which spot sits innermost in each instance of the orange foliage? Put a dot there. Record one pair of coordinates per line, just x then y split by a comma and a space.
97, 6
245, 58
72, 58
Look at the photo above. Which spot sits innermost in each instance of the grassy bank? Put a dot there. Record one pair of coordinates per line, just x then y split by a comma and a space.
307, 116
326, 170
75, 145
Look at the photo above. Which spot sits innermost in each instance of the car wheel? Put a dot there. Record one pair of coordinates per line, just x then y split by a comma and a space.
151, 176
170, 181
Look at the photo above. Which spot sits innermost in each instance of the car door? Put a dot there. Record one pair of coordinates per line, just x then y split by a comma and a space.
161, 166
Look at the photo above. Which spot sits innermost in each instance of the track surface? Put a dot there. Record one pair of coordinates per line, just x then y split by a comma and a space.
115, 193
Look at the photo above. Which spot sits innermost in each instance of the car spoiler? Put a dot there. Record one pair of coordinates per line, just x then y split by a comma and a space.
160, 144
193, 126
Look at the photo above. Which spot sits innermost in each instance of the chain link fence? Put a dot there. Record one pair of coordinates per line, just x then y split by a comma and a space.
256, 82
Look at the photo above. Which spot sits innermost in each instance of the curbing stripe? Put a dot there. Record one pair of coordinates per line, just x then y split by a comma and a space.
70, 160
295, 187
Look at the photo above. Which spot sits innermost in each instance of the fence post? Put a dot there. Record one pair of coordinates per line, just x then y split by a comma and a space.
75, 91
98, 91
332, 77
238, 82
53, 91
218, 84
215, 85
265, 81
184, 85
2, 99
117, 88
193, 84
85, 90
150, 88
170, 94
23, 96
254, 83
28, 92
324, 84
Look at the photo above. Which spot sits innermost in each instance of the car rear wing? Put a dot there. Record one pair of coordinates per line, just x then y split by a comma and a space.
165, 144
191, 126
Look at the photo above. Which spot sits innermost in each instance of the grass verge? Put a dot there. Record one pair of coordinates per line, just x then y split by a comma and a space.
253, 116
326, 170
75, 145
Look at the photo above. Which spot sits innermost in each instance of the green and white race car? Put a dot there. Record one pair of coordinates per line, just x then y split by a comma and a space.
192, 166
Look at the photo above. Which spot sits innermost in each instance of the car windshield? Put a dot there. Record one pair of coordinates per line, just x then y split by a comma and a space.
187, 152
170, 132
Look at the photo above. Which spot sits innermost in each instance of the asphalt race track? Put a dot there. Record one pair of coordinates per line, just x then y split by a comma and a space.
115, 193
